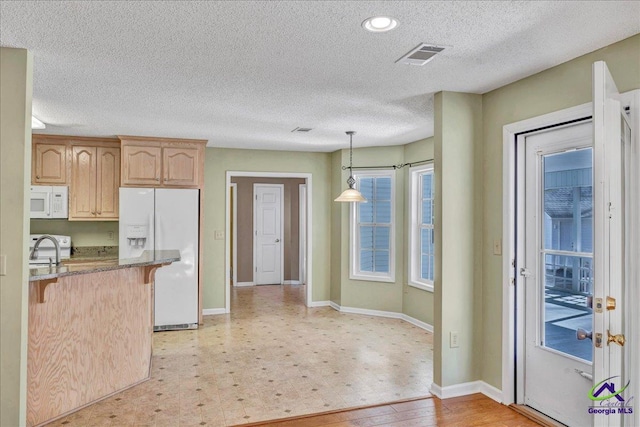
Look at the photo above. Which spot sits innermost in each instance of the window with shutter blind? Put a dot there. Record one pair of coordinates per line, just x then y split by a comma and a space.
421, 237
372, 226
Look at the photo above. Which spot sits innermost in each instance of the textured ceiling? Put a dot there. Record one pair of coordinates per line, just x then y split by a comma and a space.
244, 74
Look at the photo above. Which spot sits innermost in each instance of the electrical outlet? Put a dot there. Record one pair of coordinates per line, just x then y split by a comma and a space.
497, 247
109, 235
218, 235
453, 340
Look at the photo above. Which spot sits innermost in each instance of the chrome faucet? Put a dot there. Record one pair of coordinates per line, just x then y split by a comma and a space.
34, 251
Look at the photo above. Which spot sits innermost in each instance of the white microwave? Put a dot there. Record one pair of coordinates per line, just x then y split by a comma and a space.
49, 202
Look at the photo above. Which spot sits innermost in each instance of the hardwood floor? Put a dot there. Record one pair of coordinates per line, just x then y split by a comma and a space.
474, 410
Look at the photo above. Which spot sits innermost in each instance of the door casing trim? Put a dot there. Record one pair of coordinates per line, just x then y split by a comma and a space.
309, 267
509, 232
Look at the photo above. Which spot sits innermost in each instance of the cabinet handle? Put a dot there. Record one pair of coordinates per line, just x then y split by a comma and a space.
93, 212
99, 212
157, 179
37, 176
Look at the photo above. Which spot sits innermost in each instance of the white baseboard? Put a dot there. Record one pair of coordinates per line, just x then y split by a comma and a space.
319, 304
419, 323
491, 392
379, 313
240, 284
212, 311
465, 389
365, 311
292, 282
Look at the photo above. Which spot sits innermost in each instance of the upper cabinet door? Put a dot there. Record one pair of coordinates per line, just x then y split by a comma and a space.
49, 164
181, 165
83, 183
107, 182
142, 164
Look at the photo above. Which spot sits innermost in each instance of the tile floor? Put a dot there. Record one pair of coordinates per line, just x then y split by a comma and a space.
270, 358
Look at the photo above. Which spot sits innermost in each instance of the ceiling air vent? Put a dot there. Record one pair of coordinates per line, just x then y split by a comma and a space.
303, 130
421, 54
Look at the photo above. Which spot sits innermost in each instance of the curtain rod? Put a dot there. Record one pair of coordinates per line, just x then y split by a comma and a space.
399, 166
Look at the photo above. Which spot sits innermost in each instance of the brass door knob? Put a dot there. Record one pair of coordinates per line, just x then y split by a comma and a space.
581, 334
618, 339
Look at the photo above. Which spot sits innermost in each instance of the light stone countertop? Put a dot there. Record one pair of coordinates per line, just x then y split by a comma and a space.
98, 265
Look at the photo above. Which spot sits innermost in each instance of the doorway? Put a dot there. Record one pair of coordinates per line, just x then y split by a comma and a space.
293, 246
568, 273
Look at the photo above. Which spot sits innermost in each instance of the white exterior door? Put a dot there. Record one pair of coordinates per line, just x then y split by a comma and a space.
614, 254
268, 245
559, 272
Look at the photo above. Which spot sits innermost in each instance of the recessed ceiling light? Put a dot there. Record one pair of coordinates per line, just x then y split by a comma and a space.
37, 124
379, 24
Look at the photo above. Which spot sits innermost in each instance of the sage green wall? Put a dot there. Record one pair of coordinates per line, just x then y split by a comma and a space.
560, 87
458, 132
368, 294
416, 303
83, 233
16, 78
220, 160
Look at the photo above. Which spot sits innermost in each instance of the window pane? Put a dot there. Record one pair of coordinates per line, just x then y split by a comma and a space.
366, 260
427, 180
382, 261
366, 211
381, 238
366, 188
383, 212
383, 188
426, 257
568, 201
426, 211
424, 267
366, 237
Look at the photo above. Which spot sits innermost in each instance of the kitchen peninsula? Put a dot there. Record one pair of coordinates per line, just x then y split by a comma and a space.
90, 332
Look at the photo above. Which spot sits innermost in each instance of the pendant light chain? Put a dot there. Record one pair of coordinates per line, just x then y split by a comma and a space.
351, 181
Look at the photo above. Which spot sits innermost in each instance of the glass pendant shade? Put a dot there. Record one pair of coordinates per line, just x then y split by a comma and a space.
350, 194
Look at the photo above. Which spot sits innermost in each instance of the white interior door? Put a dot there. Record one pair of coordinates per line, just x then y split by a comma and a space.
268, 225
612, 264
558, 274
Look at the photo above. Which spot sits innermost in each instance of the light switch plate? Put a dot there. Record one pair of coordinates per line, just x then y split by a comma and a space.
453, 340
497, 247
218, 235
3, 265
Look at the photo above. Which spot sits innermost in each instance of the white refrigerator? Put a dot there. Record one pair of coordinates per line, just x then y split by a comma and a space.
164, 219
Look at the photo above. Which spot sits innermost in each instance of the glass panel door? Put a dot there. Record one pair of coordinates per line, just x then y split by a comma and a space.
567, 251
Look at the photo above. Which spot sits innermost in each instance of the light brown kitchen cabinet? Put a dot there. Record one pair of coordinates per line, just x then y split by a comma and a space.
49, 163
141, 164
181, 165
162, 162
95, 179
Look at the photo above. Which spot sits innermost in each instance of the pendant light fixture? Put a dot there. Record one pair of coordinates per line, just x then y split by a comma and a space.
351, 194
